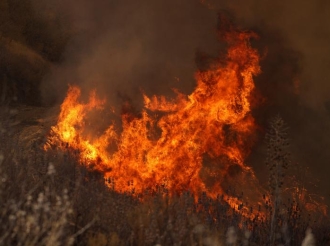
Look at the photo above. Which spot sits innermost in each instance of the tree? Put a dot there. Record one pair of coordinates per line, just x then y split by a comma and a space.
278, 159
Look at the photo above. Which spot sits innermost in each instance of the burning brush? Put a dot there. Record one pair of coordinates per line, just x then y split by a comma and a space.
199, 143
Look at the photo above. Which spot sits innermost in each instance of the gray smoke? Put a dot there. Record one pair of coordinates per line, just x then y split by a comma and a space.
123, 47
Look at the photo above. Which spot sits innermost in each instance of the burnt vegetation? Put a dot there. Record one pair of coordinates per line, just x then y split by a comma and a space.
47, 198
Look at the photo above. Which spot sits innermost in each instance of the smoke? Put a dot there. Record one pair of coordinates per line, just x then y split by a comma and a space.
123, 47
305, 26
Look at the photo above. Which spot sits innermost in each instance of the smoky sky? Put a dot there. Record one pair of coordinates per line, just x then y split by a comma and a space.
124, 47
305, 25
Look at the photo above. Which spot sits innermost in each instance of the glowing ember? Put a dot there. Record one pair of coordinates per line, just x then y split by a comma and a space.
198, 141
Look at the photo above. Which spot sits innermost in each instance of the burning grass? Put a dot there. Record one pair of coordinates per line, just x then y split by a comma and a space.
214, 121
91, 213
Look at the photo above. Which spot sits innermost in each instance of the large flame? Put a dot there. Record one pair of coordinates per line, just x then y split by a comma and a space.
190, 143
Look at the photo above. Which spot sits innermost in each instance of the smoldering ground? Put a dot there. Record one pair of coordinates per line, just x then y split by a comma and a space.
123, 47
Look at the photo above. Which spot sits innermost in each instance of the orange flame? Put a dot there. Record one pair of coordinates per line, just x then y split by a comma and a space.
214, 122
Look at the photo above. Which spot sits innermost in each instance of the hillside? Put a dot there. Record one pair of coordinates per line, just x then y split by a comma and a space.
30, 43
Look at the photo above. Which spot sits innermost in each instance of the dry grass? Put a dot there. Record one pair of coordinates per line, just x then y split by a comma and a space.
47, 198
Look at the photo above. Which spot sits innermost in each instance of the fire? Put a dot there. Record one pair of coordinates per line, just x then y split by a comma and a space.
192, 145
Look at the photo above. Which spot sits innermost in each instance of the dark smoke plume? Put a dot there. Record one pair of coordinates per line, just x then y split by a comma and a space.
126, 46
